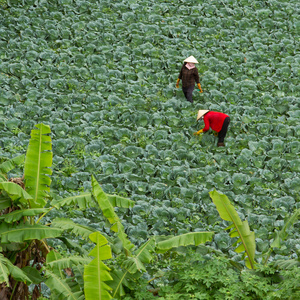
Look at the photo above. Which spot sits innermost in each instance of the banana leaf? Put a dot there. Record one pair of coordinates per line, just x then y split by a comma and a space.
7, 268
5, 203
61, 288
16, 193
57, 262
287, 264
109, 213
141, 256
282, 234
96, 273
18, 214
191, 238
132, 265
83, 201
34, 275
38, 164
11, 164
24, 232
246, 238
69, 225
118, 201
4, 273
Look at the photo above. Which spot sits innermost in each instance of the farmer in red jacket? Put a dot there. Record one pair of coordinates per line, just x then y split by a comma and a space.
217, 121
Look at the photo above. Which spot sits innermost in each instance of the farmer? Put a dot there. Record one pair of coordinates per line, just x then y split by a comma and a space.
217, 121
189, 75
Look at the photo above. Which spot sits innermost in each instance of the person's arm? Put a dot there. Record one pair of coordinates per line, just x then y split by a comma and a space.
180, 74
206, 123
179, 77
196, 74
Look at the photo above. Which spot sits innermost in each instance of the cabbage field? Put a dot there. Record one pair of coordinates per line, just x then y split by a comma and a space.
102, 75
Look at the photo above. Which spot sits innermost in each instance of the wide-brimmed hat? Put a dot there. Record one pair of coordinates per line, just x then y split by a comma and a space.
201, 113
191, 59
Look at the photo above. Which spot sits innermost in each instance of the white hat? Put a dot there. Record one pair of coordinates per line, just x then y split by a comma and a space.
191, 59
201, 113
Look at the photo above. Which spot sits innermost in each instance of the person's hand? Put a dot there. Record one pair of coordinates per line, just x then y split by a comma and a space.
177, 83
198, 132
199, 87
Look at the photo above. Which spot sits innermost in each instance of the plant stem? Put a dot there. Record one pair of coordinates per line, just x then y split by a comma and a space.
42, 216
46, 246
11, 297
268, 256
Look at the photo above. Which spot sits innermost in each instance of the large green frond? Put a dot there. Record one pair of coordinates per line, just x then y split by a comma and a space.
7, 268
191, 238
109, 213
59, 262
4, 273
38, 164
83, 201
24, 232
246, 240
282, 234
19, 214
5, 203
96, 273
11, 164
34, 275
117, 201
16, 193
287, 264
73, 245
61, 287
69, 225
141, 256
118, 283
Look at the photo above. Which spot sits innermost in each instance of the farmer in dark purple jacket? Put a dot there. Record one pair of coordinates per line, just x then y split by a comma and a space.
189, 75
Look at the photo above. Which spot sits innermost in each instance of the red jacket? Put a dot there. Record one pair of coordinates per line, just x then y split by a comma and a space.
214, 120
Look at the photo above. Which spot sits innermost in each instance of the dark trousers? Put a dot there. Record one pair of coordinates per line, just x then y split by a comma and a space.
188, 92
223, 131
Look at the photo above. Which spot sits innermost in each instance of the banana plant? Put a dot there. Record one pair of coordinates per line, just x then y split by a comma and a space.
96, 273
246, 238
111, 283
21, 238
134, 261
240, 229
282, 234
24, 252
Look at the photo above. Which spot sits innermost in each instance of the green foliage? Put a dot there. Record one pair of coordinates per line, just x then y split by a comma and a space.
109, 213
191, 238
128, 264
196, 275
92, 70
38, 164
10, 164
62, 288
72, 227
240, 229
22, 238
96, 273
